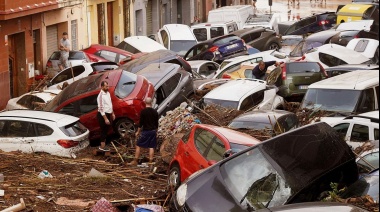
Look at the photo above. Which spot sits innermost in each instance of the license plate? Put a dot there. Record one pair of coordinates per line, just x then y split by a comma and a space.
303, 87
232, 46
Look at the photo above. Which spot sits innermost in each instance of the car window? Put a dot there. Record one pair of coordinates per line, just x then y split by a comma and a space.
77, 55
303, 67
127, 47
360, 133
216, 150
185, 138
165, 38
125, 85
255, 35
230, 28
202, 139
286, 123
342, 129
331, 18
74, 129
367, 101
55, 56
306, 22
170, 85
252, 100
226, 40
3, 129
207, 69
67, 74
246, 38
20, 129
376, 134
361, 46
216, 31
88, 104
121, 57
200, 34
43, 130
330, 60
248, 73
371, 158
110, 56
377, 93
28, 101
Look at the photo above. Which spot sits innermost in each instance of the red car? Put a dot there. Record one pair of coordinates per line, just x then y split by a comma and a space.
203, 146
97, 52
127, 90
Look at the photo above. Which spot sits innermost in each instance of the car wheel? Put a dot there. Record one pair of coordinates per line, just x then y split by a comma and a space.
124, 126
273, 46
174, 179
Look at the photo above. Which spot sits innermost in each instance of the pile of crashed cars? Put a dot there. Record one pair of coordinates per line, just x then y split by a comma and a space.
216, 168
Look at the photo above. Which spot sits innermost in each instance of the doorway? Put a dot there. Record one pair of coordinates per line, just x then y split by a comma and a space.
110, 23
17, 66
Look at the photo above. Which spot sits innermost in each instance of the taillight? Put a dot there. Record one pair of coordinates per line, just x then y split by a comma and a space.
303, 57
323, 22
67, 143
49, 64
357, 36
213, 49
284, 73
226, 76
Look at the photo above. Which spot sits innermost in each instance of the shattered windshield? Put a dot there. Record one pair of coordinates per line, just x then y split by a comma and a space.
254, 182
336, 100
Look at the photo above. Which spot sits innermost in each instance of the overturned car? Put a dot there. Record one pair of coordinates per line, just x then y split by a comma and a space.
293, 167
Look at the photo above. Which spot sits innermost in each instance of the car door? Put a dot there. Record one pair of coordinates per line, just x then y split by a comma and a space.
18, 135
194, 155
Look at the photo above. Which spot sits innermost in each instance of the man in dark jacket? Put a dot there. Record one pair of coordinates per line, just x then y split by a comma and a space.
147, 131
259, 72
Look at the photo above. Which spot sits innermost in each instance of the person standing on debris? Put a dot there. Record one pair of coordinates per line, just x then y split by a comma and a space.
147, 131
64, 47
259, 72
105, 114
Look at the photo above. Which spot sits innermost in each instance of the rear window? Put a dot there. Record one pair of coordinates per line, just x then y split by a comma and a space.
200, 34
126, 84
67, 74
361, 46
127, 47
74, 129
330, 60
77, 56
226, 40
302, 67
216, 31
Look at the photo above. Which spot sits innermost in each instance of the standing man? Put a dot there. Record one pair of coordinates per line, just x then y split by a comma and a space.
105, 114
64, 47
259, 72
147, 131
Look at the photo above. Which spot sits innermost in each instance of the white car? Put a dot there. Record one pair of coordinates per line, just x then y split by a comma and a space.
32, 100
32, 131
245, 94
330, 55
205, 68
138, 44
75, 58
358, 129
366, 47
233, 64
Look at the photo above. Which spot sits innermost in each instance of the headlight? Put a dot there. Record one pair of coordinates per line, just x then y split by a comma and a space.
181, 194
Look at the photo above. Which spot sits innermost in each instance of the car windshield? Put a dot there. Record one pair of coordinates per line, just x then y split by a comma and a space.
254, 182
223, 103
182, 46
74, 129
337, 100
250, 125
126, 84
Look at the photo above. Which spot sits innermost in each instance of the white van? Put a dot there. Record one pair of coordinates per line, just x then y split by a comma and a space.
237, 13
206, 31
177, 37
351, 93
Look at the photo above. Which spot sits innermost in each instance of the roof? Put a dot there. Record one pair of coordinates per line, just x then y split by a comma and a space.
262, 115
234, 90
234, 136
355, 80
60, 119
179, 32
143, 43
345, 54
155, 72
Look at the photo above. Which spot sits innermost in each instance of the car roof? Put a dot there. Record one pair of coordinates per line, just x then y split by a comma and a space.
261, 115
234, 136
179, 32
345, 54
234, 90
354, 80
60, 119
156, 72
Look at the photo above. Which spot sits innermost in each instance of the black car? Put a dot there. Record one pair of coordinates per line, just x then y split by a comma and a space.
171, 83
296, 166
159, 56
217, 49
260, 38
311, 24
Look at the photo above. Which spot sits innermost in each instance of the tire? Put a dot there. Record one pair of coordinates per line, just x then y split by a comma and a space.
273, 46
174, 177
123, 126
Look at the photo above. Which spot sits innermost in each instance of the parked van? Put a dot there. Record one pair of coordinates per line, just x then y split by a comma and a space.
206, 31
177, 37
237, 13
352, 12
351, 93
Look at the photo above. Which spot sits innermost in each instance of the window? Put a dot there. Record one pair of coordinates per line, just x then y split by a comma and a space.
254, 35
306, 22
342, 129
252, 100
361, 45
28, 101
43, 130
248, 73
185, 138
127, 47
165, 38
3, 129
216, 31
372, 159
74, 129
200, 34
367, 101
81, 106
360, 133
216, 151
246, 38
207, 69
67, 74
377, 94
110, 56
376, 134
170, 85
203, 139
125, 85
303, 67
330, 60
20, 129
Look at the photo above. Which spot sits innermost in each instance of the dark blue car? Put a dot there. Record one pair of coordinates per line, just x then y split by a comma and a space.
217, 49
